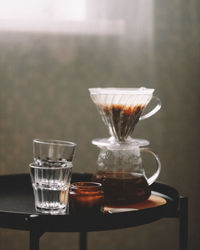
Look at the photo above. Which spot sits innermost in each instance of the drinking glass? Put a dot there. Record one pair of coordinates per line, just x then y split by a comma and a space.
51, 175
53, 152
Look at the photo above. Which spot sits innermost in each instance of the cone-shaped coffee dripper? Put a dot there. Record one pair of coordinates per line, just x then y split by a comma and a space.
120, 110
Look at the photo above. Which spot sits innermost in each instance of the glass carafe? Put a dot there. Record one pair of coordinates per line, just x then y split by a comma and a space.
121, 172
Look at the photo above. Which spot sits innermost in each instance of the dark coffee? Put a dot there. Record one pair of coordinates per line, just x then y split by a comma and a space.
85, 198
121, 188
122, 119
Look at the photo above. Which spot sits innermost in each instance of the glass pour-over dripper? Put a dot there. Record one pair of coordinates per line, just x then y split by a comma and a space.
121, 109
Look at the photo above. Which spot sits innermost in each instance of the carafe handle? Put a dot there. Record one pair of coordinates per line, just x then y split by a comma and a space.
153, 178
154, 110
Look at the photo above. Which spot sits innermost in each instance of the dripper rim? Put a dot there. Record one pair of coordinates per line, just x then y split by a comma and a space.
121, 91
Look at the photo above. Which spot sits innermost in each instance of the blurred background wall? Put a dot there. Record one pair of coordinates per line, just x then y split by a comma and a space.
44, 81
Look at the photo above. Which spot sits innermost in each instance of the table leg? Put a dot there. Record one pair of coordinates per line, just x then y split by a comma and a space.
34, 240
183, 226
83, 240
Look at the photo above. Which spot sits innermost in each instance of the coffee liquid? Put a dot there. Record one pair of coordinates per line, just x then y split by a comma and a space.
122, 119
121, 188
85, 198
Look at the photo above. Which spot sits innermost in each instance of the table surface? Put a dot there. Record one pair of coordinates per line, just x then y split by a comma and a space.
17, 209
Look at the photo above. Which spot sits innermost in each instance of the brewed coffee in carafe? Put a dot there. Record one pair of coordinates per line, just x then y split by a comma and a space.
122, 188
121, 172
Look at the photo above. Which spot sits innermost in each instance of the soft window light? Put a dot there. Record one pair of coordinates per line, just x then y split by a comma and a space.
72, 10
66, 16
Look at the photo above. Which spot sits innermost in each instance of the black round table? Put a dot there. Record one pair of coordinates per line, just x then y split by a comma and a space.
17, 211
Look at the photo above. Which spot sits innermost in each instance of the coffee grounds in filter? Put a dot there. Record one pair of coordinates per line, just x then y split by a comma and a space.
122, 119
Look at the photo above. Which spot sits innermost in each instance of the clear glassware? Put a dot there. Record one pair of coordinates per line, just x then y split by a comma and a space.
51, 174
121, 109
120, 170
51, 188
50, 152
119, 165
